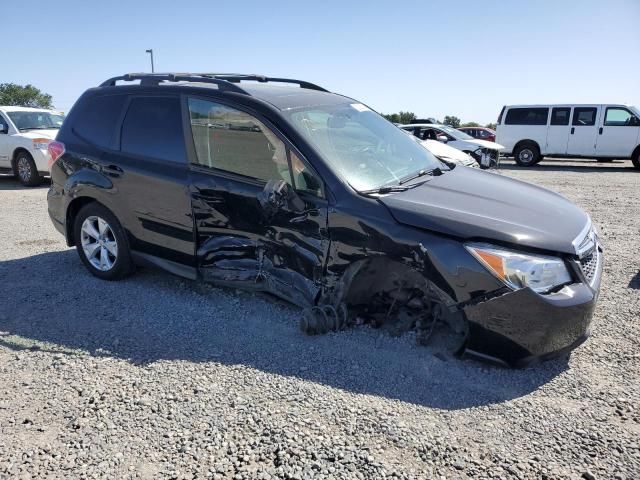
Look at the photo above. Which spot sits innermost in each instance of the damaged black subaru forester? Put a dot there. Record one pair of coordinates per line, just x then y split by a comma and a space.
278, 185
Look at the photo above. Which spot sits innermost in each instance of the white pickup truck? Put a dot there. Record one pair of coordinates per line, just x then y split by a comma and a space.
25, 134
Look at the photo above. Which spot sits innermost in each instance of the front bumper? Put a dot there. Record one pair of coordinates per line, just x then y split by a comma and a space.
522, 327
487, 158
41, 159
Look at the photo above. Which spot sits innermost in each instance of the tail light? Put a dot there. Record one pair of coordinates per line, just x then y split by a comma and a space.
56, 150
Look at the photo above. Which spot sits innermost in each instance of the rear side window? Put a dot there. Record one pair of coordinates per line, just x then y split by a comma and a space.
584, 116
560, 116
98, 119
152, 127
527, 116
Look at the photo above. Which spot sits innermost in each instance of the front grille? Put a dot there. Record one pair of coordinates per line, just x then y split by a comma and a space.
589, 265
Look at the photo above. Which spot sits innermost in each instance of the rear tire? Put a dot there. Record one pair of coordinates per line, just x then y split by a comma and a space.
25, 169
102, 243
527, 154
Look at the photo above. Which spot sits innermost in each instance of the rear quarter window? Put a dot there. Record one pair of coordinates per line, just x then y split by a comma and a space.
98, 119
527, 116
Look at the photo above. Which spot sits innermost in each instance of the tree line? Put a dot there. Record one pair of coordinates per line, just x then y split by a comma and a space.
12, 94
451, 120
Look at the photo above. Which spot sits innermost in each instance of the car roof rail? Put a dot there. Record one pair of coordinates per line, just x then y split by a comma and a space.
147, 79
239, 77
225, 81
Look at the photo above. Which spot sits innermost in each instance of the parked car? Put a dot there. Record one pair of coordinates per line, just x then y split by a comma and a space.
480, 133
423, 120
487, 154
323, 202
601, 131
445, 152
25, 134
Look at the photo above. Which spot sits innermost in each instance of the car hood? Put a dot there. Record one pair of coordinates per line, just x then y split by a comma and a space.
49, 133
485, 144
472, 204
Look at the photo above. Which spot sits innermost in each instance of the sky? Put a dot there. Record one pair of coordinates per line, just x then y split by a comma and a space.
462, 58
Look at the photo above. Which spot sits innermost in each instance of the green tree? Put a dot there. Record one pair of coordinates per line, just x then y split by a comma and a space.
492, 126
27, 96
451, 121
401, 117
470, 124
392, 117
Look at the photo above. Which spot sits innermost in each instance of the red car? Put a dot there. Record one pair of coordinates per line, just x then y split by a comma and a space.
481, 133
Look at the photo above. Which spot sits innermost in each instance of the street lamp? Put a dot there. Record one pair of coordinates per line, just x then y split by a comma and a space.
150, 51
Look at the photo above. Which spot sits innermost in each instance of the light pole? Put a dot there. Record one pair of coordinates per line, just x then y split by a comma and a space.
150, 51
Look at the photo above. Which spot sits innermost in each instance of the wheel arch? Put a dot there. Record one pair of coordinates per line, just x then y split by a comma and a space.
72, 211
519, 143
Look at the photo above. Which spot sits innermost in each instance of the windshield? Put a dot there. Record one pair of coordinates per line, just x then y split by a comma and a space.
36, 120
457, 134
366, 149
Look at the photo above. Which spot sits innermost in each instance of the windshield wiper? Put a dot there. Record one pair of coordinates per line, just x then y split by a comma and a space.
390, 189
420, 173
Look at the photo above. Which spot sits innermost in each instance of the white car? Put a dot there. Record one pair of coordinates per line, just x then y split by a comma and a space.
447, 153
486, 153
25, 134
600, 131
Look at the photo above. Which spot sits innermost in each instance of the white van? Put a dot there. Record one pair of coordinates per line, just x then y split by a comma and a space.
603, 132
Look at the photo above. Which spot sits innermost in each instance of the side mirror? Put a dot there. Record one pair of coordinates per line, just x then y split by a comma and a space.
278, 195
442, 138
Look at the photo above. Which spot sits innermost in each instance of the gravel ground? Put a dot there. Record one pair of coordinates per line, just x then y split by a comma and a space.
159, 377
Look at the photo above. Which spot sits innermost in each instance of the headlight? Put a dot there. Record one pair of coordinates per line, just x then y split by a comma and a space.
41, 143
518, 270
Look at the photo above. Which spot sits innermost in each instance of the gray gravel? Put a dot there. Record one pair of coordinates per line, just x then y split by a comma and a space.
158, 377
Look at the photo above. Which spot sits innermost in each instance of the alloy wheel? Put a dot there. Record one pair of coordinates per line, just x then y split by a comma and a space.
99, 243
24, 169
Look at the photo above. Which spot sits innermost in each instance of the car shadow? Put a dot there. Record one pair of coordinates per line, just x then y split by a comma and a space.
9, 182
56, 305
571, 165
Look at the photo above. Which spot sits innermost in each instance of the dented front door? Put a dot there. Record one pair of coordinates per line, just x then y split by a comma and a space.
233, 156
240, 244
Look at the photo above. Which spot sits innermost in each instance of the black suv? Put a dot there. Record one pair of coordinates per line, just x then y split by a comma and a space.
281, 186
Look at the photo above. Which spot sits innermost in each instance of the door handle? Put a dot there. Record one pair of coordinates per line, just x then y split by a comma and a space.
112, 170
573, 130
600, 131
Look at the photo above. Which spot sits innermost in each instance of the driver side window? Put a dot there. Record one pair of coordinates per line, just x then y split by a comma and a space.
234, 141
4, 124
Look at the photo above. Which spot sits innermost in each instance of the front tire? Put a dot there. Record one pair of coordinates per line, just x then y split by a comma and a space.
26, 171
636, 159
527, 154
102, 243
